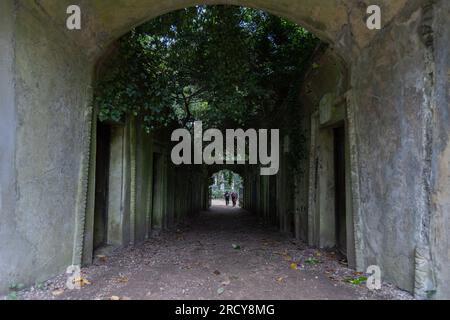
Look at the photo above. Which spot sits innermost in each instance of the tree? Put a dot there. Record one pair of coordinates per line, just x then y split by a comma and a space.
224, 65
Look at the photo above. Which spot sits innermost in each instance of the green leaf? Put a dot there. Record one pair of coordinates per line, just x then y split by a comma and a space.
312, 261
357, 280
12, 296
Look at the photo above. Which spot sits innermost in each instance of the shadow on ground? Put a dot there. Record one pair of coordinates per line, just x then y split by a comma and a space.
225, 253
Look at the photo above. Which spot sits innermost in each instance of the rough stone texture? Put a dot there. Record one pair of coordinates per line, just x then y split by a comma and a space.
334, 21
37, 235
323, 86
118, 207
389, 110
144, 172
45, 75
440, 204
9, 239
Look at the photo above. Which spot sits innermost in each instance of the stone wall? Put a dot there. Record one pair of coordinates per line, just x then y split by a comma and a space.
439, 236
10, 241
51, 119
390, 112
390, 107
398, 112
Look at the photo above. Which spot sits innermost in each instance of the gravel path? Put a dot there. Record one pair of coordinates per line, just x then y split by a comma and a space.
224, 254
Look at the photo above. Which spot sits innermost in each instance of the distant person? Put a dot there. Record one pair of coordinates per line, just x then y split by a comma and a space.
227, 198
234, 198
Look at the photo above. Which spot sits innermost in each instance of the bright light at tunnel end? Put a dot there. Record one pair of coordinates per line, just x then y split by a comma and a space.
241, 148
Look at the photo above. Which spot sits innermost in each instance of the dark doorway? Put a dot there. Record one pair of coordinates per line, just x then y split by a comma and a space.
273, 200
101, 185
340, 196
157, 209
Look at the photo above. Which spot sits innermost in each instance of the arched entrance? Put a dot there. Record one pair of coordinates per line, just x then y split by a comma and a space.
46, 150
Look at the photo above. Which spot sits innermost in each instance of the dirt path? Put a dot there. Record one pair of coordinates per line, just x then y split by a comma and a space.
224, 254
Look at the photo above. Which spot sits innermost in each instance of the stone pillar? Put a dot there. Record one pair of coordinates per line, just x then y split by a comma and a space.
436, 27
7, 143
118, 209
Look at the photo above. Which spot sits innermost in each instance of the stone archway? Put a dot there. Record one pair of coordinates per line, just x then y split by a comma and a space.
397, 156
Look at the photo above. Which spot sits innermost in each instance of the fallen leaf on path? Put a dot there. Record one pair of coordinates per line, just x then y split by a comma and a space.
115, 298
122, 279
180, 237
102, 258
312, 261
217, 273
226, 282
81, 282
343, 262
357, 280
57, 292
294, 266
220, 291
236, 247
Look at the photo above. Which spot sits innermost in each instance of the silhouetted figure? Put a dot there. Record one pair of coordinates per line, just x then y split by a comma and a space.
234, 198
227, 198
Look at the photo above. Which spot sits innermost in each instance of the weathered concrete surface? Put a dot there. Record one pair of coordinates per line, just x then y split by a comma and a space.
49, 103
394, 117
9, 239
323, 86
339, 22
44, 133
389, 105
440, 182
119, 181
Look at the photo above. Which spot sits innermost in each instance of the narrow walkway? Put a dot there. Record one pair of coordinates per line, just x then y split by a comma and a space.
224, 254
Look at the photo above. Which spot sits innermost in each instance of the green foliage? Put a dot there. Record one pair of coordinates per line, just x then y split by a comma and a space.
12, 296
16, 286
39, 285
312, 261
357, 280
430, 294
225, 65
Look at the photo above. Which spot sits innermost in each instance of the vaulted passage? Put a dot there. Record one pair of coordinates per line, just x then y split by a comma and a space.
143, 191
362, 174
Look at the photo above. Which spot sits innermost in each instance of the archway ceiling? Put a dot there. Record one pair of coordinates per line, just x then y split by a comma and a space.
335, 21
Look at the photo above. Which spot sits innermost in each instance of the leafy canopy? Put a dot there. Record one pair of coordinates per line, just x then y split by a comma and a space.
227, 66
